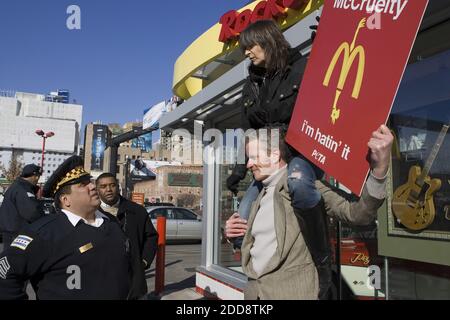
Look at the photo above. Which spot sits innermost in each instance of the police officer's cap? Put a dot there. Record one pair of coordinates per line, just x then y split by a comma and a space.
69, 172
31, 170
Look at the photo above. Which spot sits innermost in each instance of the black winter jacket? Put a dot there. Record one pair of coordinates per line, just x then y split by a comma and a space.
55, 256
270, 101
136, 223
20, 207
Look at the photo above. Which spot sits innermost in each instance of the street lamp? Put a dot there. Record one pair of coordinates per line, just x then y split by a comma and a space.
44, 136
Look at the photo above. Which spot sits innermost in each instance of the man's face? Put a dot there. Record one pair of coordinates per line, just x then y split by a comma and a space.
108, 190
35, 179
83, 198
259, 162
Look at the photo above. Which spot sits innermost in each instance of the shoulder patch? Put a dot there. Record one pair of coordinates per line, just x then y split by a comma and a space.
4, 267
21, 242
31, 195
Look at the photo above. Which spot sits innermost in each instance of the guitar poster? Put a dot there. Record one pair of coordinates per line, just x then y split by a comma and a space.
350, 83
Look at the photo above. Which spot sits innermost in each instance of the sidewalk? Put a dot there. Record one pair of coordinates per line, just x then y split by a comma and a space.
183, 290
181, 261
184, 294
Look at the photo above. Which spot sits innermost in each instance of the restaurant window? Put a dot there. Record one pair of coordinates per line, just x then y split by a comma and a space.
228, 255
420, 158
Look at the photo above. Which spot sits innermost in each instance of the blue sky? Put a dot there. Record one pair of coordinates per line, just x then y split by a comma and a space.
118, 64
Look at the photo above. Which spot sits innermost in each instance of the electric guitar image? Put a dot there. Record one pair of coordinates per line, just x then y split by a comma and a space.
413, 203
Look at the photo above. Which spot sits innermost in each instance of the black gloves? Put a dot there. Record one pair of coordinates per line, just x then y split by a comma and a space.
232, 183
238, 174
314, 28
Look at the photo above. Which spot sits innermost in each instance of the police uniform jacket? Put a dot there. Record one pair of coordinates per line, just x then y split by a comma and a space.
63, 261
19, 207
143, 237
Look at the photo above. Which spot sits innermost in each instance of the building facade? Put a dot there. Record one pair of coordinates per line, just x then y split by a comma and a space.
96, 158
97, 155
180, 185
24, 113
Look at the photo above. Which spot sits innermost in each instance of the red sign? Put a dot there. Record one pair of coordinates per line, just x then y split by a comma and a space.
233, 22
350, 83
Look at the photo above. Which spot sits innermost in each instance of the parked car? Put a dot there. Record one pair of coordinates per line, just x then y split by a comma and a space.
181, 223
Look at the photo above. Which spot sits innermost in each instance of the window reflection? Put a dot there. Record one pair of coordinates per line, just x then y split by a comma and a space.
420, 116
420, 112
229, 255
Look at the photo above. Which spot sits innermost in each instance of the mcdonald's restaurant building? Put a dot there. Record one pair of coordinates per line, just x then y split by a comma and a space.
406, 264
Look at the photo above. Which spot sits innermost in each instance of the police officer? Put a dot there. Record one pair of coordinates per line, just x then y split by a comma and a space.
77, 253
20, 205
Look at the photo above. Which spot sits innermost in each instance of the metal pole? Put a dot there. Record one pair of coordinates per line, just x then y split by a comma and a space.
338, 260
40, 191
43, 152
113, 160
128, 179
386, 277
160, 255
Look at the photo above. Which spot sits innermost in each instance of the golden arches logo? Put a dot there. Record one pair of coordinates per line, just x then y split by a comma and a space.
349, 53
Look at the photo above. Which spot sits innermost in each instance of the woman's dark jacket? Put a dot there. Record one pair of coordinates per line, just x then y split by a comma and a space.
270, 101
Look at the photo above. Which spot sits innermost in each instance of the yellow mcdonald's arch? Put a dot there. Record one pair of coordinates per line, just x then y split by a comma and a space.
349, 53
348, 60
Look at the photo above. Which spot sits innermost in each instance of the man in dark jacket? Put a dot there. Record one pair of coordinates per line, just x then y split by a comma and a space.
137, 226
20, 205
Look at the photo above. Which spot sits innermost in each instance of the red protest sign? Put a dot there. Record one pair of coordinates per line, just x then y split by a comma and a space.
351, 81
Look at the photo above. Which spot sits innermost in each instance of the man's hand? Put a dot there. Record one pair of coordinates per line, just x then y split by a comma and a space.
235, 226
380, 145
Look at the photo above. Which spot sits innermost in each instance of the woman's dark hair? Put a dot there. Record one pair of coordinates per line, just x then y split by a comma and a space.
268, 36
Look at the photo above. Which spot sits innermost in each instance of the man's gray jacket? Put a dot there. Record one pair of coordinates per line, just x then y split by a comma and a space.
291, 273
